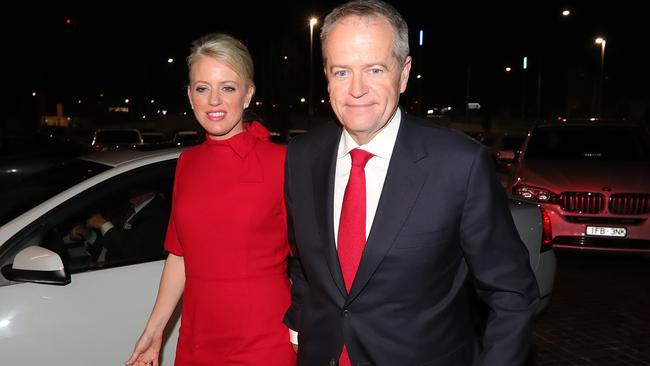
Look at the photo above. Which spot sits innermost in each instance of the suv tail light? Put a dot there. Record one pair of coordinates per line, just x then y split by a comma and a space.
547, 231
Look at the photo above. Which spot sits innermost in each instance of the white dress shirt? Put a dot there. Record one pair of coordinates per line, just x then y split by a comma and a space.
381, 147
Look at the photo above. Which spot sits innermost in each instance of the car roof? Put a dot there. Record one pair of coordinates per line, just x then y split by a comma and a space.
115, 158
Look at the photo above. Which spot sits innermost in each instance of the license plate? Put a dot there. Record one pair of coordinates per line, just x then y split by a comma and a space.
618, 232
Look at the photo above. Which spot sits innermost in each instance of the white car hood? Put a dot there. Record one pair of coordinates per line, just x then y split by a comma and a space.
589, 176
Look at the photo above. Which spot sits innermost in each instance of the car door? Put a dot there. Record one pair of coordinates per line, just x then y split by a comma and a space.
96, 318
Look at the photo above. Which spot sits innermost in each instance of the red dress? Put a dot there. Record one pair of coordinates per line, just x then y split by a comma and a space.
228, 222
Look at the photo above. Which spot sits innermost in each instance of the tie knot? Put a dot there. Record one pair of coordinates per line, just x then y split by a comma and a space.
360, 157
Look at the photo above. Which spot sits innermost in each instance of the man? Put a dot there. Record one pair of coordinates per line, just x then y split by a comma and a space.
139, 236
388, 253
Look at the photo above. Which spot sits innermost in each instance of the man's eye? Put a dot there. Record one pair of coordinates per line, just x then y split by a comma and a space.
340, 73
376, 71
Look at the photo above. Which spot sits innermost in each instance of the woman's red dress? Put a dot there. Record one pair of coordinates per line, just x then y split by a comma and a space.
228, 222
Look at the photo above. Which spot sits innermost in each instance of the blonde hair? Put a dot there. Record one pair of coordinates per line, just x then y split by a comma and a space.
226, 49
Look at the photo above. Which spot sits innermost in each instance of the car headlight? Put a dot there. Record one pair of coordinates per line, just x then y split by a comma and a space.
536, 194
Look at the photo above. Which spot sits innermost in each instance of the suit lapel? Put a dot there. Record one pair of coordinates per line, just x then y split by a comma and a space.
403, 183
323, 175
154, 204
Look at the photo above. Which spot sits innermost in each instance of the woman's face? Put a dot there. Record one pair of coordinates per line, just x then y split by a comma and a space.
218, 96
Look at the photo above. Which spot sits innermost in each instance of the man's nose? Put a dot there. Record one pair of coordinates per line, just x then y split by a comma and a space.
359, 87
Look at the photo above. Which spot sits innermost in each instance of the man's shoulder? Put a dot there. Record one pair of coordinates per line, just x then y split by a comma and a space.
437, 136
315, 139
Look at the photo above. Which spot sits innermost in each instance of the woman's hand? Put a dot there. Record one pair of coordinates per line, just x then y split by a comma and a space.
147, 350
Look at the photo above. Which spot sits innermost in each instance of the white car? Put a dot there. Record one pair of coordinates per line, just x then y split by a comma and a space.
593, 178
534, 227
60, 306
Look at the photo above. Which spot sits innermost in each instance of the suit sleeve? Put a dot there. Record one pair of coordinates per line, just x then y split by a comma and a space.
500, 264
299, 283
144, 239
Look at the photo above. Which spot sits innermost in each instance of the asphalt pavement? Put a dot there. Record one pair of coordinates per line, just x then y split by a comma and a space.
599, 313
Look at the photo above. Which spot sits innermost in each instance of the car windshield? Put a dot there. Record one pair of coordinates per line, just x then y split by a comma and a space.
118, 136
589, 143
20, 197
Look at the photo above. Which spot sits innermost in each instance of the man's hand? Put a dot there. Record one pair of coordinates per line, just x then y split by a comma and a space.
78, 232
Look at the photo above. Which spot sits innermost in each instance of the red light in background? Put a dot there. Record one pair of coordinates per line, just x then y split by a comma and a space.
68, 21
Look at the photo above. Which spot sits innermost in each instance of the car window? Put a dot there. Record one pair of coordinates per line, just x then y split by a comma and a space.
19, 196
187, 138
588, 143
153, 138
133, 237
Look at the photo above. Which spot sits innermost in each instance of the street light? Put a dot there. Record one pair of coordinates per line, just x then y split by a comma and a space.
310, 108
601, 85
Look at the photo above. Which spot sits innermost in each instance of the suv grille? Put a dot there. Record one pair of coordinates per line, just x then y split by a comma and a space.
583, 202
629, 203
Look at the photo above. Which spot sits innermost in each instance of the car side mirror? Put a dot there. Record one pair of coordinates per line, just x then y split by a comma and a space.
506, 155
38, 265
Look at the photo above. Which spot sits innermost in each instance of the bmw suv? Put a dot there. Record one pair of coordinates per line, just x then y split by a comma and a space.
592, 177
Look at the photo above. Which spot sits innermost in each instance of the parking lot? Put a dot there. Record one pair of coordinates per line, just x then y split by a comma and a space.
599, 314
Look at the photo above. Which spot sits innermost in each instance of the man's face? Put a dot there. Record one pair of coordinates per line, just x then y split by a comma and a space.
364, 77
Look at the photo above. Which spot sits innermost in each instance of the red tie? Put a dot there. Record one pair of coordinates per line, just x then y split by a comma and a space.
352, 226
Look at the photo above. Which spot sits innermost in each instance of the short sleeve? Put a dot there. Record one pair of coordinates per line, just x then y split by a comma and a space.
172, 241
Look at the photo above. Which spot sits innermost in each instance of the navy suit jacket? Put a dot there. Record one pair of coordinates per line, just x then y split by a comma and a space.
442, 231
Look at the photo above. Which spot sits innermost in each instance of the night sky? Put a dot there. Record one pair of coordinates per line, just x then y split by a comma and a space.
120, 49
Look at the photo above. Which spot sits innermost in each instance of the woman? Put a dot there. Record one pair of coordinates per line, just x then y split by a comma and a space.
227, 232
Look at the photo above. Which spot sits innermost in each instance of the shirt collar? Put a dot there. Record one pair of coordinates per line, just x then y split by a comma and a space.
243, 142
380, 146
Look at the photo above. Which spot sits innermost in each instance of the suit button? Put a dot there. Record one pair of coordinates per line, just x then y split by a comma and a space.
346, 313
333, 362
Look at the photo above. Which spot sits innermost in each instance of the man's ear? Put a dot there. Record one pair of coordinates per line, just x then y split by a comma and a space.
404, 77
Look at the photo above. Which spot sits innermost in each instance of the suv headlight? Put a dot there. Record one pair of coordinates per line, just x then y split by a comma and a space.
536, 194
